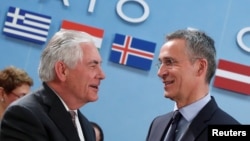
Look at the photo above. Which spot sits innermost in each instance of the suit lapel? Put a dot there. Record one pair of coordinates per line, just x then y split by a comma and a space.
158, 128
87, 129
63, 121
165, 125
199, 123
59, 115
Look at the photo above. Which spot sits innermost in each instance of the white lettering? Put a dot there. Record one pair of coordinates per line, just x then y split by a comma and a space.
91, 6
240, 35
129, 19
66, 2
216, 132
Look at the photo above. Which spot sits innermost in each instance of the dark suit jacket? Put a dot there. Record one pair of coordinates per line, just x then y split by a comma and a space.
41, 116
198, 129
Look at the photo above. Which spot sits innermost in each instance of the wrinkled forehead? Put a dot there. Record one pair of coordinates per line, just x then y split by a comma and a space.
90, 52
173, 48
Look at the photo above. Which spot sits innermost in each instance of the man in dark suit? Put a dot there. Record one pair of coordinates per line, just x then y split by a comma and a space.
70, 69
187, 63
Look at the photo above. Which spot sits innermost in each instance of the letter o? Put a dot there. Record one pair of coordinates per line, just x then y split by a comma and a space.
240, 38
129, 19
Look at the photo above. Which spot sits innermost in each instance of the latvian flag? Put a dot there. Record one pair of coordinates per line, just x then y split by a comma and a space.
133, 52
26, 25
96, 33
232, 76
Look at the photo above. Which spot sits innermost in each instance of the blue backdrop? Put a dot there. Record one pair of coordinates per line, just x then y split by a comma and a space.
130, 98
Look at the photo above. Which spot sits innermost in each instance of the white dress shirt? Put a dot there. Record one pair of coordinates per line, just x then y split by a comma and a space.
78, 125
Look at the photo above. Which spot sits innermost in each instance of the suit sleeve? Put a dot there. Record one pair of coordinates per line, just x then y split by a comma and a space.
20, 124
149, 131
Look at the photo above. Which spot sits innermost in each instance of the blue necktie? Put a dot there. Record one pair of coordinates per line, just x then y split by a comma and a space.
172, 128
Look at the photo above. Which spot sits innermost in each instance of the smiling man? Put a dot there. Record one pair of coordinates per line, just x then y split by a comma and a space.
187, 63
70, 69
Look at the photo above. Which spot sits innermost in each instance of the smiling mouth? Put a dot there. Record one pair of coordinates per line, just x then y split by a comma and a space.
94, 86
168, 82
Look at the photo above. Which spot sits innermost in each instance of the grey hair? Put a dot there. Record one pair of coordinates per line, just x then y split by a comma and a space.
63, 46
199, 45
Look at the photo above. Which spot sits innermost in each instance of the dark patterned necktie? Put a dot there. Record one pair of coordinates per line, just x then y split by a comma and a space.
172, 128
73, 117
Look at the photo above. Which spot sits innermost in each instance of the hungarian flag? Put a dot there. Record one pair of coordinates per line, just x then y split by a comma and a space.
133, 52
232, 76
96, 33
26, 25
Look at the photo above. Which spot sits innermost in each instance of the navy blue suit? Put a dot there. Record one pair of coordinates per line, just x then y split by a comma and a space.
197, 131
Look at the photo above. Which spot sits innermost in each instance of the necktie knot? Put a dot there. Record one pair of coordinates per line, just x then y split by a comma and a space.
176, 116
72, 113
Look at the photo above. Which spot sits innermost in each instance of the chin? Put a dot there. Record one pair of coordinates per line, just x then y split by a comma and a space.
93, 99
166, 95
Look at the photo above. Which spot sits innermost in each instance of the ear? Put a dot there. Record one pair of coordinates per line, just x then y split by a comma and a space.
61, 70
2, 94
201, 66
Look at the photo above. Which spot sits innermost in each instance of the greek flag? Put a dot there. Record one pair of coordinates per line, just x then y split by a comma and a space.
26, 25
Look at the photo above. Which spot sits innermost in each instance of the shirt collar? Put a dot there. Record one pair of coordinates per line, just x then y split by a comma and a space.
191, 110
64, 104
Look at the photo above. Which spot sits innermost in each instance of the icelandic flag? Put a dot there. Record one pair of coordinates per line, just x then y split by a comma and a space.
26, 25
133, 52
96, 33
233, 76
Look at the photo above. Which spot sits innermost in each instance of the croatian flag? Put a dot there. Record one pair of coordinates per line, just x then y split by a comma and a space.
133, 52
26, 25
96, 33
232, 76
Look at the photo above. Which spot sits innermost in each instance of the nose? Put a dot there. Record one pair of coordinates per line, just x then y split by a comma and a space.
162, 71
101, 75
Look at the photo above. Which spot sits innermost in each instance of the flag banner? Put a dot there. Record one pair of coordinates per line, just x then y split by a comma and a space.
96, 33
133, 52
232, 76
26, 25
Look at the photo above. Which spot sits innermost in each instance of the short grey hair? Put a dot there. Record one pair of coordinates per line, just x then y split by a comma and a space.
63, 46
199, 45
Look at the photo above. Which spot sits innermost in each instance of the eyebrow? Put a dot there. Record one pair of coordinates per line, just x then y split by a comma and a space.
94, 62
166, 58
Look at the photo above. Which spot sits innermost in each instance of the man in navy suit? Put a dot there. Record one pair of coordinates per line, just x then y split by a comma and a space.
187, 63
70, 69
